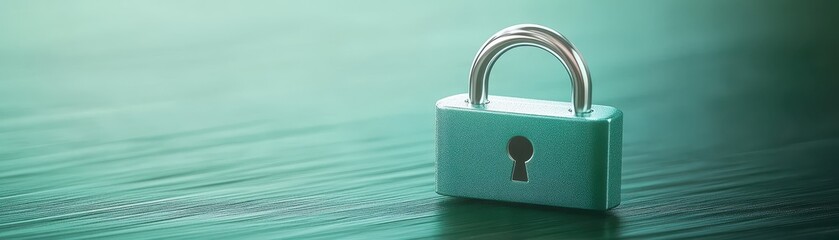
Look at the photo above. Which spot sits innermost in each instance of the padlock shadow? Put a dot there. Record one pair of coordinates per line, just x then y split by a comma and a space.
472, 218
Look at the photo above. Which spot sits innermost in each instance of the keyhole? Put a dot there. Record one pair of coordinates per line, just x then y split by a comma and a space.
520, 150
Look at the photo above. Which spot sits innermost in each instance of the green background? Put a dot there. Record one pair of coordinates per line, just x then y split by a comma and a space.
315, 119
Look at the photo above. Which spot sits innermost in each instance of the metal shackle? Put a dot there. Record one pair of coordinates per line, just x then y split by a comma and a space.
536, 36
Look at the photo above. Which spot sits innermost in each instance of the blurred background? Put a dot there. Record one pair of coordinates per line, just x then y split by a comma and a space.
315, 119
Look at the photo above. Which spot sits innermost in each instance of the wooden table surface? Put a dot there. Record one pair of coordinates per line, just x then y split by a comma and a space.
194, 119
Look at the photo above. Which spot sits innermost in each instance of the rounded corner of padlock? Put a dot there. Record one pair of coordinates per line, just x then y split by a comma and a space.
440, 193
610, 208
443, 193
448, 102
440, 103
604, 113
617, 112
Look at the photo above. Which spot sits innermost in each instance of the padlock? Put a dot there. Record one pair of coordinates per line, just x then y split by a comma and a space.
529, 151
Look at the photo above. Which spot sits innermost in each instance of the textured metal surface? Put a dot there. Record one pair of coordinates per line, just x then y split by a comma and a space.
576, 161
536, 36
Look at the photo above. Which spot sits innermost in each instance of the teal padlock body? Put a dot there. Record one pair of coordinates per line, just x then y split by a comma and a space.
576, 161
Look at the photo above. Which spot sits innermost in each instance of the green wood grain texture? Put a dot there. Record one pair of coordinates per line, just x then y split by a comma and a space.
315, 119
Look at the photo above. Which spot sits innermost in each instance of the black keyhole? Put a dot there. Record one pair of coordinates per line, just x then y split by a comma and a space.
520, 150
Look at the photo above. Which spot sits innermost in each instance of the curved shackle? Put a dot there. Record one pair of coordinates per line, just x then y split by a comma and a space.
537, 36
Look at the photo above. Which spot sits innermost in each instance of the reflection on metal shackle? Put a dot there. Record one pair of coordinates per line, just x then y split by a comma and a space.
536, 36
